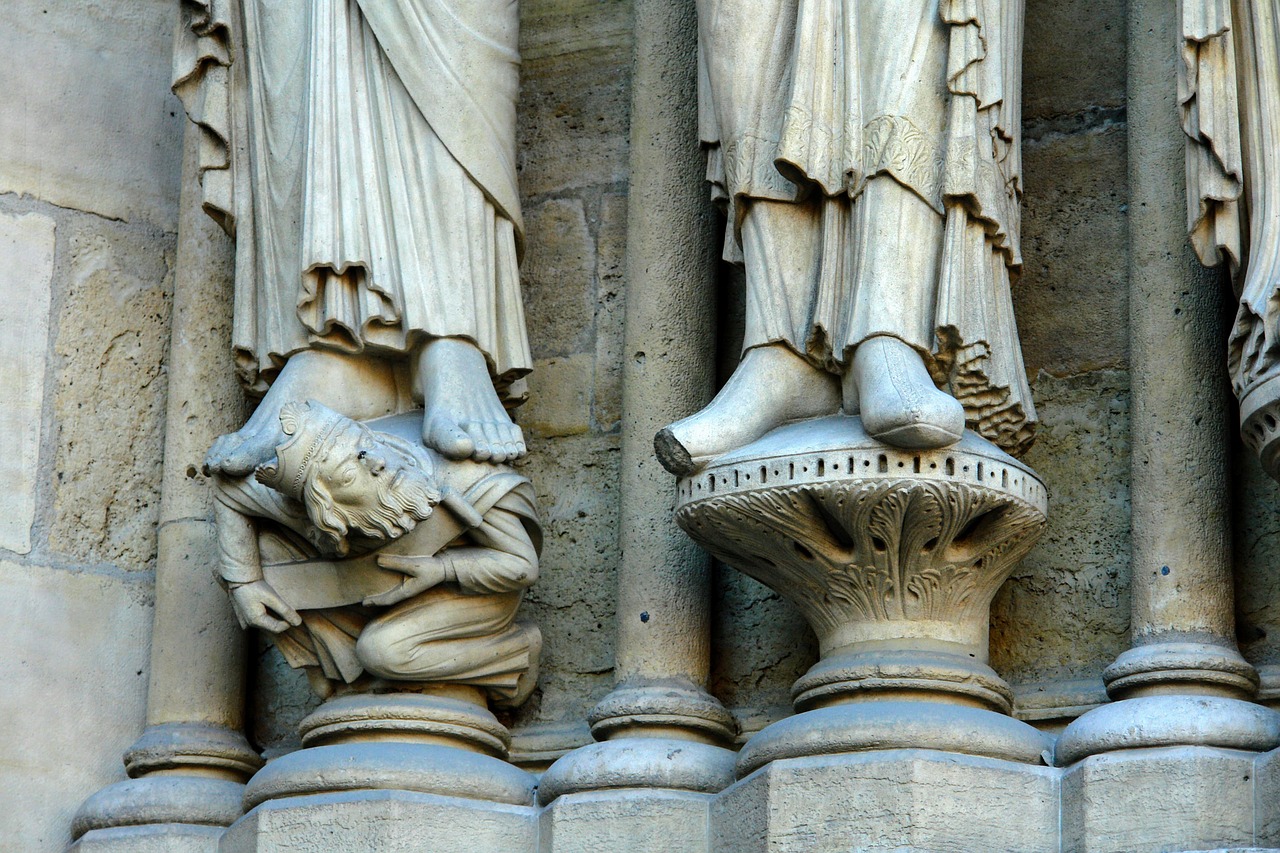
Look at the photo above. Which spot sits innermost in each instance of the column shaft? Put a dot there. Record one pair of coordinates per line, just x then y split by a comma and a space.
1183, 681
659, 727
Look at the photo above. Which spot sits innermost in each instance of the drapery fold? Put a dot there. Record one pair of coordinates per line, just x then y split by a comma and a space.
363, 156
810, 102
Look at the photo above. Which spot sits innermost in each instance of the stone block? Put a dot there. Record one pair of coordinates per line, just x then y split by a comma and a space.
88, 122
634, 820
154, 838
361, 821
1063, 615
1072, 301
559, 279
559, 397
1266, 775
26, 284
1075, 57
109, 397
74, 696
1155, 800
890, 800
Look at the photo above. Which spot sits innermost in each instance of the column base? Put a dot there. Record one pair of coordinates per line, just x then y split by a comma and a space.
1187, 667
639, 762
890, 724
189, 774
423, 743
668, 735
161, 800
1175, 720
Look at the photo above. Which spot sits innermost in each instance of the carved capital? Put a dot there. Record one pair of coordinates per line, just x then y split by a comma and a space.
892, 556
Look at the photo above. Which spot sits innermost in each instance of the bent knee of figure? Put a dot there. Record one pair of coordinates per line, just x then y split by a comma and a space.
386, 650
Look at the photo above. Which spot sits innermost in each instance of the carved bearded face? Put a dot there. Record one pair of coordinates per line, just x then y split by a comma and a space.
367, 484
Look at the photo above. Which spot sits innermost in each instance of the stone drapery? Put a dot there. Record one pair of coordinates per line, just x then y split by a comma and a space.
923, 92
363, 155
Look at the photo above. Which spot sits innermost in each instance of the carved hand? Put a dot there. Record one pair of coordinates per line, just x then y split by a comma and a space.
257, 604
421, 573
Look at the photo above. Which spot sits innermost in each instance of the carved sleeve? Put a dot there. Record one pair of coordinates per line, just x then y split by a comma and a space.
504, 559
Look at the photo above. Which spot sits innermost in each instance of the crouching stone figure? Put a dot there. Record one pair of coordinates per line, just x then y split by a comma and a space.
371, 557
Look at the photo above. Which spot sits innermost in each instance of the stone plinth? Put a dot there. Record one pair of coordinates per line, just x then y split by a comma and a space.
392, 766
893, 557
889, 801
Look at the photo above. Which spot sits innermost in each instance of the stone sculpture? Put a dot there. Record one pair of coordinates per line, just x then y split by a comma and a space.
1229, 91
868, 156
363, 156
369, 557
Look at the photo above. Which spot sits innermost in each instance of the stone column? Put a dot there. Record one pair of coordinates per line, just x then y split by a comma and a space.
660, 727
189, 766
1183, 681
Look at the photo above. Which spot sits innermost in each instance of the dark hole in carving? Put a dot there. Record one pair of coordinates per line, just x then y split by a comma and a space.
833, 525
977, 526
1271, 421
804, 552
930, 545
879, 544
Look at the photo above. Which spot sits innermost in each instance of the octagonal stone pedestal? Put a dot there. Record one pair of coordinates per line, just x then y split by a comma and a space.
893, 557
392, 771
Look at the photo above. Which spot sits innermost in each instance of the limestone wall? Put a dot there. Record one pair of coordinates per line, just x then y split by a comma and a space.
90, 141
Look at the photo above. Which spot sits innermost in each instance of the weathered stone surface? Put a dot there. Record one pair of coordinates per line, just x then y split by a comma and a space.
558, 274
575, 101
638, 821
26, 282
573, 601
74, 694
89, 123
156, 838
559, 397
888, 801
361, 821
1072, 303
1149, 800
765, 646
611, 245
109, 401
1064, 613
1075, 57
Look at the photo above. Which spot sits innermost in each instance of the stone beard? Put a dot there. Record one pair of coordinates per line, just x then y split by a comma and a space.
868, 154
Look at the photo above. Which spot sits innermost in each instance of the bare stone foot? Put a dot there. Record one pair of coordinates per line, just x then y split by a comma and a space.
357, 386
464, 417
897, 400
771, 386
